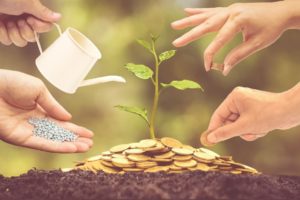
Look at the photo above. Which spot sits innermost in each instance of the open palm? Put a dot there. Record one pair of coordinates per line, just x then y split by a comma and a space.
16, 129
17, 108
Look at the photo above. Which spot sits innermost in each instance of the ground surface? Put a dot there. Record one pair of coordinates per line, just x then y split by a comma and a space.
82, 185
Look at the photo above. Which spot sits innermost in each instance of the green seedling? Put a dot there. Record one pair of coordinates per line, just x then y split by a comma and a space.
144, 72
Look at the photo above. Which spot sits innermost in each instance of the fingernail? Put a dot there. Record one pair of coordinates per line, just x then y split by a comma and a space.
55, 15
212, 138
207, 65
175, 42
176, 23
226, 69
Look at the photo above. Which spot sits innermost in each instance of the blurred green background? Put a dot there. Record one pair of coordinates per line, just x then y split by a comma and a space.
114, 26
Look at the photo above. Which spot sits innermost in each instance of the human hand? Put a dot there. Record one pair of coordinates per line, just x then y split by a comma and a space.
20, 18
22, 97
251, 114
260, 23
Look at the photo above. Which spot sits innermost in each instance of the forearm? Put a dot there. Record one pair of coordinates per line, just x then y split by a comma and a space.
292, 10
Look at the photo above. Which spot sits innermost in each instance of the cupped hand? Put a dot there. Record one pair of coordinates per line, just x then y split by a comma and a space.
20, 18
22, 97
260, 23
251, 114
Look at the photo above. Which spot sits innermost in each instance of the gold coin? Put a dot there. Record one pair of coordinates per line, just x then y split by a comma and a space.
225, 168
203, 167
204, 156
132, 169
119, 148
192, 168
226, 158
118, 156
97, 166
133, 145
89, 167
106, 158
168, 154
235, 172
122, 162
138, 158
188, 147
79, 163
94, 158
107, 163
203, 160
182, 151
106, 153
213, 166
67, 169
146, 164
249, 168
204, 141
246, 168
185, 164
175, 168
217, 66
157, 169
162, 160
134, 151
109, 170
221, 163
146, 143
156, 150
171, 142
181, 158
209, 152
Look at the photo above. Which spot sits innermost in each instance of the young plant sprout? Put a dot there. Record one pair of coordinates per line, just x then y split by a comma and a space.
144, 72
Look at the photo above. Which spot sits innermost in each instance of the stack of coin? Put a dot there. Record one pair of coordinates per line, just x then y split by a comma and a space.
160, 155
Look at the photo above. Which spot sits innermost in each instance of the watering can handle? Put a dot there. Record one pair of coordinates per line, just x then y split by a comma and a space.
36, 37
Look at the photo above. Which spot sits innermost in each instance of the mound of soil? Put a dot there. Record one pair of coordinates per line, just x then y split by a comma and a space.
83, 185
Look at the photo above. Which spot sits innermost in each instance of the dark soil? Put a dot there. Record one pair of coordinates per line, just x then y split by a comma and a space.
82, 185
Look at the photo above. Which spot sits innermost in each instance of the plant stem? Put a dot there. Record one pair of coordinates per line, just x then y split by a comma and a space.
156, 94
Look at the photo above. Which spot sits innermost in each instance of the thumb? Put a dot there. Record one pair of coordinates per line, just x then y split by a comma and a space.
240, 53
236, 128
40, 11
52, 107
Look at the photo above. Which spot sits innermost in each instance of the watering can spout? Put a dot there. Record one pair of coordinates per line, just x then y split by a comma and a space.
103, 79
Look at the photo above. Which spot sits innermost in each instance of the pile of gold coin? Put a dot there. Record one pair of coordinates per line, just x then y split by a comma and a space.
160, 155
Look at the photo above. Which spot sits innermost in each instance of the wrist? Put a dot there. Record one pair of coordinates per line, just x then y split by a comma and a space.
290, 103
291, 8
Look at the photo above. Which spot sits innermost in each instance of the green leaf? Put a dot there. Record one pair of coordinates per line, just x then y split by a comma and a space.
167, 55
183, 85
145, 44
141, 71
135, 110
